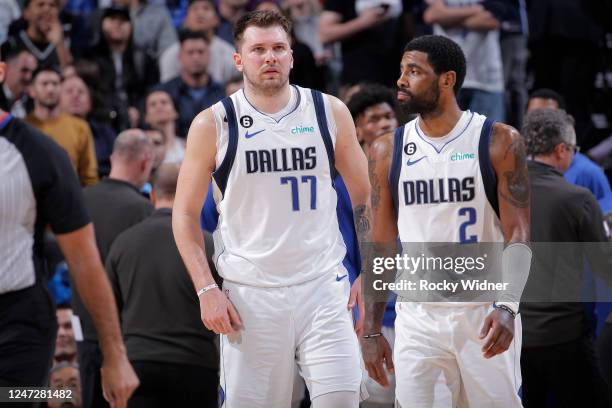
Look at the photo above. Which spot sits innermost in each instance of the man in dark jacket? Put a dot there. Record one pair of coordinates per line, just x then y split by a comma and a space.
115, 204
171, 350
557, 354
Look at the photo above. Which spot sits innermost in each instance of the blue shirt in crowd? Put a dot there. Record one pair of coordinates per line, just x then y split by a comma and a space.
583, 172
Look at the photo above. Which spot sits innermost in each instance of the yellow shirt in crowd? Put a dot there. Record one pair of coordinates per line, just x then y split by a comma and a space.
75, 137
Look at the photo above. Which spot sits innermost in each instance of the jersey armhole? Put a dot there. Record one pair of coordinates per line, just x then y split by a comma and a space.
319, 105
331, 120
396, 166
221, 174
486, 167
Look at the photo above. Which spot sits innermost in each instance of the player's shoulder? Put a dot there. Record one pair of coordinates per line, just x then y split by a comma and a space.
505, 135
338, 108
203, 126
205, 117
382, 147
505, 139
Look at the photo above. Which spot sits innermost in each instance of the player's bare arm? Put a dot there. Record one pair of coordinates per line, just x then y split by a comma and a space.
352, 165
217, 312
376, 350
508, 157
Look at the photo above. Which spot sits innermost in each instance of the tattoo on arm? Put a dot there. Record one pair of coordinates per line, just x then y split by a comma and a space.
374, 182
517, 179
361, 218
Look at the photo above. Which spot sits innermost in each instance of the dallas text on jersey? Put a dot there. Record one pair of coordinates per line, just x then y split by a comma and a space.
442, 190
280, 160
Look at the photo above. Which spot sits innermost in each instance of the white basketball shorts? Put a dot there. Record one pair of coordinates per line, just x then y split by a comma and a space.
439, 362
307, 326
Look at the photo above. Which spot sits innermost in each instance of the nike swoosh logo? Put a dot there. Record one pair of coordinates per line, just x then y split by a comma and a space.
250, 135
410, 163
339, 278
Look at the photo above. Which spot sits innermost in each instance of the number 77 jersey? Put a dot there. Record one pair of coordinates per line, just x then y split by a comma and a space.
445, 189
273, 188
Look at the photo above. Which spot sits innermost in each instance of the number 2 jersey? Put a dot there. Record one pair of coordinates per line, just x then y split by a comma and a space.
274, 192
445, 189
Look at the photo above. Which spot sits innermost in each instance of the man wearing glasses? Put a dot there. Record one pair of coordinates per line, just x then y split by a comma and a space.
557, 354
582, 171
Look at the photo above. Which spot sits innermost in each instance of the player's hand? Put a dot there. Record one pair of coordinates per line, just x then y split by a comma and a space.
356, 299
218, 313
376, 351
118, 380
497, 332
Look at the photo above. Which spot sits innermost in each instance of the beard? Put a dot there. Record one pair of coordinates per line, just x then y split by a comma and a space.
267, 86
50, 103
422, 104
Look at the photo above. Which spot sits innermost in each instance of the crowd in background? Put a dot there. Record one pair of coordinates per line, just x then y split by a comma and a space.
89, 72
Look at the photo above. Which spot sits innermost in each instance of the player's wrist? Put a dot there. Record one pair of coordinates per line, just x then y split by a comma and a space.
506, 307
207, 288
372, 335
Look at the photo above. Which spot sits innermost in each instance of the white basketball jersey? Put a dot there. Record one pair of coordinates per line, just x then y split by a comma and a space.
274, 192
445, 189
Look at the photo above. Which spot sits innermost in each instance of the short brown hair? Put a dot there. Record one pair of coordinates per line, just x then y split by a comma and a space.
260, 18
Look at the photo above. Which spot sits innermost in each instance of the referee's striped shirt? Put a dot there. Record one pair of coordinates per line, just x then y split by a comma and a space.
38, 187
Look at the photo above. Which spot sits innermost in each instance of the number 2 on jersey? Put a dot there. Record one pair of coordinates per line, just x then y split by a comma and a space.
295, 195
471, 220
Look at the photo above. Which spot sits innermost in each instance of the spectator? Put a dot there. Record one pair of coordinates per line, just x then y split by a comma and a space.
564, 43
39, 190
9, 11
161, 114
71, 133
193, 90
65, 344
153, 30
305, 72
114, 205
65, 376
44, 35
126, 69
347, 92
158, 139
305, 16
582, 171
373, 111
476, 30
202, 17
557, 354
366, 35
174, 354
269, 5
21, 64
229, 12
513, 43
177, 10
75, 99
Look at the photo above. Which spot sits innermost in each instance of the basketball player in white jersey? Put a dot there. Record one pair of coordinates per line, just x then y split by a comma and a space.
272, 150
449, 176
